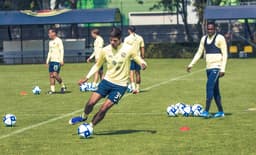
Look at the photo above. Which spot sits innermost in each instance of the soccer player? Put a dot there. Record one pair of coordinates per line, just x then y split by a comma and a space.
98, 45
117, 57
55, 60
137, 41
215, 48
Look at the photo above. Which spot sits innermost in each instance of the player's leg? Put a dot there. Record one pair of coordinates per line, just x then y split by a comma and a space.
115, 94
132, 74
212, 76
52, 83
217, 98
101, 92
95, 97
138, 80
57, 68
102, 112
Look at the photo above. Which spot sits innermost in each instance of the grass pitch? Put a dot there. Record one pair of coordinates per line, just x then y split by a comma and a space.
139, 124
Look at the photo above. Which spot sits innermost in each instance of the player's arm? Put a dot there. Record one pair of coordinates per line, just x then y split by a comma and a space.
91, 57
197, 56
94, 68
142, 49
61, 48
48, 56
223, 47
139, 60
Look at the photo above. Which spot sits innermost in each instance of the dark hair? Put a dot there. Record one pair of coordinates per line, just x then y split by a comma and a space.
53, 30
96, 31
132, 28
211, 22
116, 33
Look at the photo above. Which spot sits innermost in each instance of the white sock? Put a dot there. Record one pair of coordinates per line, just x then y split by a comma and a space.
52, 88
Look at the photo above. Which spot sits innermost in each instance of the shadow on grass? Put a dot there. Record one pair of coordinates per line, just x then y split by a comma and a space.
121, 132
57, 93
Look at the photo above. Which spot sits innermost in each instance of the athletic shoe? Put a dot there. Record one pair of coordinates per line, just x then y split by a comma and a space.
205, 114
76, 120
219, 114
63, 89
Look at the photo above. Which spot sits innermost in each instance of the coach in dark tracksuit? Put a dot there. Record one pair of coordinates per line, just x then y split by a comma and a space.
215, 48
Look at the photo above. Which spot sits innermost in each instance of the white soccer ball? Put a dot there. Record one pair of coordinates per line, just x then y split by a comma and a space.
83, 87
186, 110
86, 87
36, 90
9, 120
180, 106
85, 130
197, 109
172, 110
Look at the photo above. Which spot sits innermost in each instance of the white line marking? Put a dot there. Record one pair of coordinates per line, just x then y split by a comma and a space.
78, 111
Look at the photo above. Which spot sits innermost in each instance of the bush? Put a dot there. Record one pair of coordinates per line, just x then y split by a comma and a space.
170, 50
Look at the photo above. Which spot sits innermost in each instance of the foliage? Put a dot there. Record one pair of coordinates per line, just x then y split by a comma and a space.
170, 50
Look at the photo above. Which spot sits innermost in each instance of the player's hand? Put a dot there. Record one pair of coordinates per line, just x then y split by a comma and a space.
88, 60
189, 69
81, 81
222, 74
143, 66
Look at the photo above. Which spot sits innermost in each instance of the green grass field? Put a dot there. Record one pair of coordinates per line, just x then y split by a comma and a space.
139, 124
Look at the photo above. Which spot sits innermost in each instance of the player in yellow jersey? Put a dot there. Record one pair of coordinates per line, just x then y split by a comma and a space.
97, 46
117, 57
137, 41
55, 60
214, 46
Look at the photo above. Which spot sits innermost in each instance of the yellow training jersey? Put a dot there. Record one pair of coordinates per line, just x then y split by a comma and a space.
97, 46
56, 51
213, 60
118, 63
135, 40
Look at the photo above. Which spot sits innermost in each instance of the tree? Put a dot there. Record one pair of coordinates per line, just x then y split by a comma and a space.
178, 6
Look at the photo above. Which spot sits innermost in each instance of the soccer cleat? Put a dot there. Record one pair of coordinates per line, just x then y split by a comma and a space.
219, 114
205, 114
63, 89
76, 120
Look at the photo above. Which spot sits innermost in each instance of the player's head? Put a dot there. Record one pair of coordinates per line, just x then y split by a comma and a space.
211, 28
115, 37
131, 29
52, 33
95, 33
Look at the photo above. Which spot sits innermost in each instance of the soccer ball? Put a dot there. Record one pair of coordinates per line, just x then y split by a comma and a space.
36, 90
9, 120
172, 110
180, 106
83, 87
85, 130
197, 109
186, 110
86, 87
